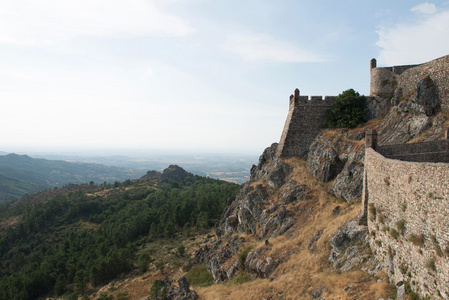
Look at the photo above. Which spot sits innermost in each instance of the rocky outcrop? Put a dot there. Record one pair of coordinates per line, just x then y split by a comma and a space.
338, 157
182, 292
348, 183
264, 208
174, 172
219, 257
350, 249
257, 262
151, 174
425, 101
270, 168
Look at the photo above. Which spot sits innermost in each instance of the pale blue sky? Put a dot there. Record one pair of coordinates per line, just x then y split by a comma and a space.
190, 75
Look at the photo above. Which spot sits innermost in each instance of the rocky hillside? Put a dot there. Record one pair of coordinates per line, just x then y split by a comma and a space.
288, 237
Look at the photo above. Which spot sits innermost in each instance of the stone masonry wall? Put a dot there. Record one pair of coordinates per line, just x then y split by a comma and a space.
408, 219
385, 81
305, 120
437, 151
437, 69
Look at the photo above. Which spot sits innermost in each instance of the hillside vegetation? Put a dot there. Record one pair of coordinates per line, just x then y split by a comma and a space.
22, 175
70, 240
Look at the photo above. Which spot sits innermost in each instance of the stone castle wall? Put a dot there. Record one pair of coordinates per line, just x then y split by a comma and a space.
437, 69
407, 206
386, 81
305, 120
437, 151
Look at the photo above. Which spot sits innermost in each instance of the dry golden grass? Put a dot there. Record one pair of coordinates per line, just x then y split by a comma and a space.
303, 271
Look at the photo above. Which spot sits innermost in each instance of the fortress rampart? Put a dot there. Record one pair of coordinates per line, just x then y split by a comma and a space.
305, 116
406, 207
437, 151
305, 119
402, 80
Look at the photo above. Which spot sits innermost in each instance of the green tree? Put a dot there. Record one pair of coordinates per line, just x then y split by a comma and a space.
169, 230
60, 284
347, 111
203, 220
143, 261
80, 282
155, 289
181, 250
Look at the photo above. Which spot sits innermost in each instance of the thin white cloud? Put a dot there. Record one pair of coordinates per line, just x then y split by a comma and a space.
259, 47
421, 41
149, 72
425, 8
38, 22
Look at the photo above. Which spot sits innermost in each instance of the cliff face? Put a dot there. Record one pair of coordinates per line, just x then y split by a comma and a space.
265, 208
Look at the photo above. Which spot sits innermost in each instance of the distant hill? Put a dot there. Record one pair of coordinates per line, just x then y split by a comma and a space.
21, 174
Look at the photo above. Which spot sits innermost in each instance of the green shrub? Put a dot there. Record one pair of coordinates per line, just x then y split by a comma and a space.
403, 206
181, 250
242, 257
436, 246
400, 225
143, 261
155, 290
124, 295
347, 111
372, 212
240, 279
199, 276
394, 234
417, 240
430, 264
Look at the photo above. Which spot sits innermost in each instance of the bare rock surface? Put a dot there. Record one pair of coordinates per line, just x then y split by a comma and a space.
350, 249
340, 159
254, 212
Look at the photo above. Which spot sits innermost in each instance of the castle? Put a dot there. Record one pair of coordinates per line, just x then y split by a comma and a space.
305, 117
405, 198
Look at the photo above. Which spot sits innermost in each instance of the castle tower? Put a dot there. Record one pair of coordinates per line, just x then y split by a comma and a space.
304, 121
371, 139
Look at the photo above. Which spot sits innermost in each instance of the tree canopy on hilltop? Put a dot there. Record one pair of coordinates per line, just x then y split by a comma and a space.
347, 111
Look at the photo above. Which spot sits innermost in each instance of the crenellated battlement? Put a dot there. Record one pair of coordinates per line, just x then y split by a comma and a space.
297, 100
304, 121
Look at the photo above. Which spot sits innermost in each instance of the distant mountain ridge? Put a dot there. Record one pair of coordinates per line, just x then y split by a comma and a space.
21, 174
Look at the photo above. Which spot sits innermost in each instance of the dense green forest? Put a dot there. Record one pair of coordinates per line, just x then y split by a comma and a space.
60, 241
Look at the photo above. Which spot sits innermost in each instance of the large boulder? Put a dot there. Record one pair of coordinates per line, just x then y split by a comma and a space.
338, 156
345, 254
270, 168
